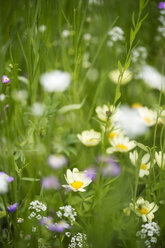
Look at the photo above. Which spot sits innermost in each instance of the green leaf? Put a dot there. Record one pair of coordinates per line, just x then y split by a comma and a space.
2, 214
143, 147
128, 63
71, 107
30, 179
120, 66
132, 36
133, 19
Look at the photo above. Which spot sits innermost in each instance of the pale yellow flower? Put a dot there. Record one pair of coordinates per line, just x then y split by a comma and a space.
127, 76
90, 137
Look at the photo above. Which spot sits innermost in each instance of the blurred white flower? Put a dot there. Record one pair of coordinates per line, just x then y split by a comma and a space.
90, 137
65, 33
144, 163
114, 76
20, 96
116, 34
144, 209
38, 109
87, 37
130, 121
57, 161
139, 54
55, 81
76, 180
121, 144
92, 74
3, 184
152, 77
42, 28
160, 159
2, 97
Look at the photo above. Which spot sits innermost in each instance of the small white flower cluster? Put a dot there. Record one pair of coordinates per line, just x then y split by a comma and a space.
150, 232
67, 212
78, 241
36, 207
116, 34
139, 54
161, 27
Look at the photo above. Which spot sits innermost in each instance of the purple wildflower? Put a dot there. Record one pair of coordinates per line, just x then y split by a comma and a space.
12, 208
5, 79
111, 168
50, 182
59, 227
161, 5
91, 173
7, 177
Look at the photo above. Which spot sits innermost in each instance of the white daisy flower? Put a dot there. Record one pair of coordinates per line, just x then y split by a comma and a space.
104, 112
144, 164
144, 209
115, 132
55, 81
76, 180
127, 76
90, 137
121, 144
148, 115
160, 159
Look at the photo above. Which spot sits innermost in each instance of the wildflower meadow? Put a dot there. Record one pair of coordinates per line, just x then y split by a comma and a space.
82, 124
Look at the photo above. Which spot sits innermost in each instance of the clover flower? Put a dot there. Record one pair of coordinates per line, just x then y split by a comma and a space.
5, 79
144, 163
76, 180
144, 209
90, 137
55, 81
91, 173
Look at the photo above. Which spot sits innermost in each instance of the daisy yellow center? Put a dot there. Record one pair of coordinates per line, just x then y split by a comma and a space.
77, 185
112, 135
92, 140
147, 120
143, 167
142, 210
122, 147
136, 105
